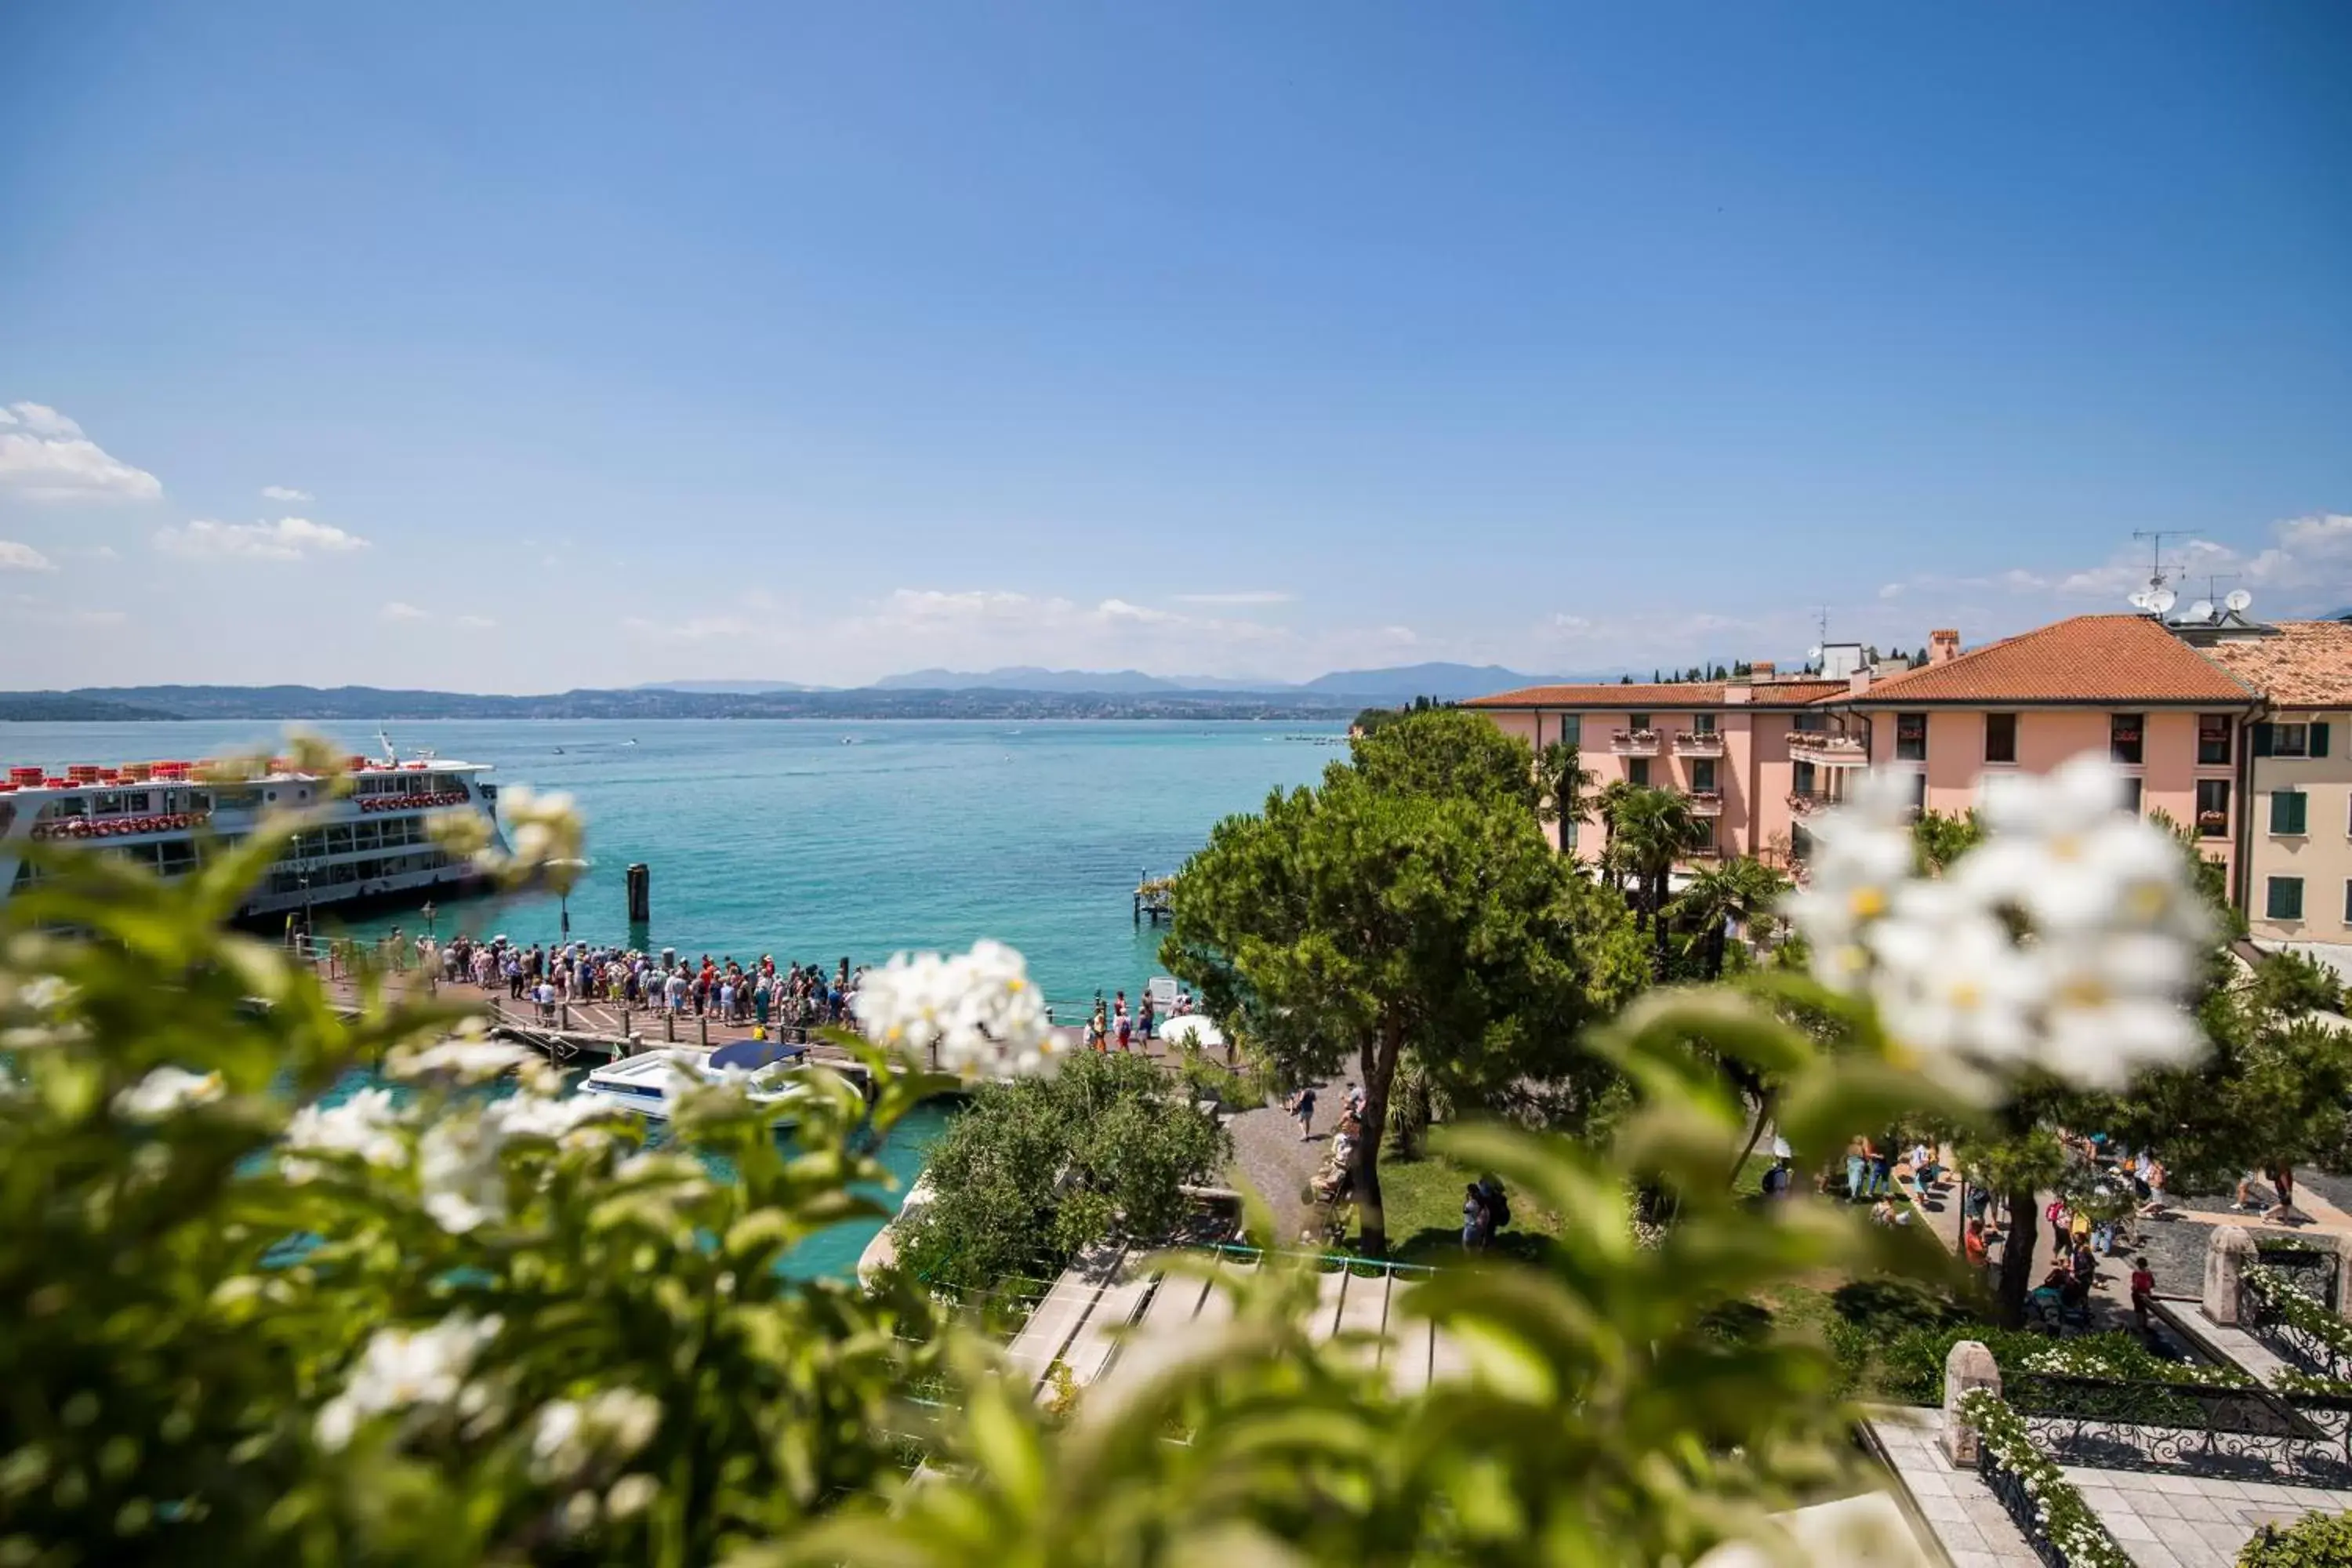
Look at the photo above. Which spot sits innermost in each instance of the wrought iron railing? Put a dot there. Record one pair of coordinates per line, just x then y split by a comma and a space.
2275, 1322
2006, 1485
2204, 1428
2307, 1269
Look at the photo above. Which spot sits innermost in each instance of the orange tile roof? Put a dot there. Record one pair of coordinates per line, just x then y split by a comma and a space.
2085, 658
1643, 696
2307, 665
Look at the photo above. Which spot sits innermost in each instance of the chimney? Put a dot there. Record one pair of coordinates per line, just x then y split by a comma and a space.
1764, 666
1944, 646
1858, 682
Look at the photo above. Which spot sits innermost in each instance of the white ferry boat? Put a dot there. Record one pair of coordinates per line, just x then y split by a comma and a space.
371, 844
650, 1085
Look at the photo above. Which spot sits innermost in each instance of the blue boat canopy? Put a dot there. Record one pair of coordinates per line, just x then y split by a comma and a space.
752, 1055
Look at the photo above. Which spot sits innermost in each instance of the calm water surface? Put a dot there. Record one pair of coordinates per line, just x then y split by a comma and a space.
815, 840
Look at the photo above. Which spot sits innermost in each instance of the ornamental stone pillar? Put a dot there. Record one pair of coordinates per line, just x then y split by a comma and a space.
1968, 1368
2228, 1255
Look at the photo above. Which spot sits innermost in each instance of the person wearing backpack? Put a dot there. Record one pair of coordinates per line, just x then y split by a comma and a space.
1498, 1202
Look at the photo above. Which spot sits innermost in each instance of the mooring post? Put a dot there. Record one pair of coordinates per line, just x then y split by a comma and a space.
702, 1022
669, 1027
566, 1016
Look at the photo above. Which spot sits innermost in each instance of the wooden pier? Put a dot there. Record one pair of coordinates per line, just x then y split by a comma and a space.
1152, 895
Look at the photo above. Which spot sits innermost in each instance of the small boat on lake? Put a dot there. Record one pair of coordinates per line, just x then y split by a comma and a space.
652, 1084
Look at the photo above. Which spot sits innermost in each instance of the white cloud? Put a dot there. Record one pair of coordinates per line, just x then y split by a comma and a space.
1239, 597
399, 610
698, 628
15, 557
476, 623
2306, 557
288, 539
283, 492
44, 456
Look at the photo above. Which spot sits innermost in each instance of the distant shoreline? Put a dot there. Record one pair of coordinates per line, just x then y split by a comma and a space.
67, 708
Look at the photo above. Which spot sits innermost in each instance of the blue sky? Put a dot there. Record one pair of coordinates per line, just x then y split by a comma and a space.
613, 343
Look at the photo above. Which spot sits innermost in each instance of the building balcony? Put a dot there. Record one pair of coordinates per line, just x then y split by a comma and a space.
1633, 742
1824, 750
1698, 743
1705, 802
2213, 824
1808, 801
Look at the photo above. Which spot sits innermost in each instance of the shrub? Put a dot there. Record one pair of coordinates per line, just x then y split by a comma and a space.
1032, 1171
2320, 1541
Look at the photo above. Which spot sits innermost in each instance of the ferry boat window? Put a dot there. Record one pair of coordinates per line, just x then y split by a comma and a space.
489, 792
338, 840
107, 804
369, 869
179, 855
200, 800
136, 800
72, 806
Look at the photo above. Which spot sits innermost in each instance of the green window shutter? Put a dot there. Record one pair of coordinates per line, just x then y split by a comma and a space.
2287, 811
2320, 740
2261, 739
2286, 901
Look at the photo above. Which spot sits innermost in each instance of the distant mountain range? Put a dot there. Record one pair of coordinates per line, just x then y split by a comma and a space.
1020, 692
1445, 682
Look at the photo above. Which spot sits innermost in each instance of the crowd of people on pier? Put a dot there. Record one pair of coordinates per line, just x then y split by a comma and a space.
795, 998
787, 1001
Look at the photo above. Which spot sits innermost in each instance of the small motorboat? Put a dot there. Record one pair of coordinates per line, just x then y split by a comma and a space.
651, 1085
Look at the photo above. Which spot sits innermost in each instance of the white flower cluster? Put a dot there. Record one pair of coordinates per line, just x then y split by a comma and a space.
2065, 940
465, 1058
460, 1175
423, 1370
978, 1010
166, 1092
366, 1124
604, 1429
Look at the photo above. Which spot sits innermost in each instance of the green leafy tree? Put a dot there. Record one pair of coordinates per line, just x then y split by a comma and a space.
1741, 891
1409, 903
2290, 985
1562, 785
1942, 837
1033, 1170
1445, 753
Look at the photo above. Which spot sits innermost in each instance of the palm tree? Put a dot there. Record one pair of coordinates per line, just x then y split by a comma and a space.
1740, 892
1562, 779
1607, 805
1655, 828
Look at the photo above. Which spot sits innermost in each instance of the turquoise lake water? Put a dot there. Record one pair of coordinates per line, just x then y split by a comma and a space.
774, 836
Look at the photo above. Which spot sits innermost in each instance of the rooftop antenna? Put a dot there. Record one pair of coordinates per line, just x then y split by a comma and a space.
2239, 599
2214, 578
2156, 538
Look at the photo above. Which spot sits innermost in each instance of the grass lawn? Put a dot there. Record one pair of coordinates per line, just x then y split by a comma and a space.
1424, 1201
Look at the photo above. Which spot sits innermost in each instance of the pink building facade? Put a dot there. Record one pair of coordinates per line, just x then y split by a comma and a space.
1759, 757
1725, 744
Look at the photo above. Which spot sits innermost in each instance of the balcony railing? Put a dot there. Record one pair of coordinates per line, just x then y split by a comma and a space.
1825, 751
1633, 742
1705, 802
1698, 743
1806, 802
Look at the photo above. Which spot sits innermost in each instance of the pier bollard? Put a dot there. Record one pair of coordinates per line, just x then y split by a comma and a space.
669, 1027
703, 1024
567, 1018
625, 1022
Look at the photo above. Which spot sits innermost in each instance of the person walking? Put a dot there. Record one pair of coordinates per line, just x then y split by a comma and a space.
2142, 1291
1302, 1107
1473, 1220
